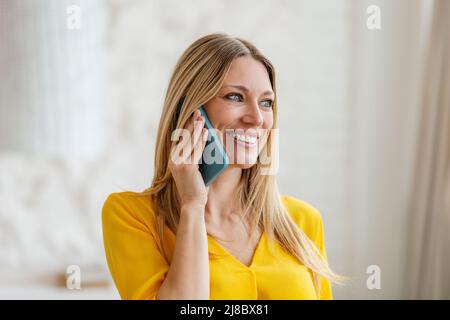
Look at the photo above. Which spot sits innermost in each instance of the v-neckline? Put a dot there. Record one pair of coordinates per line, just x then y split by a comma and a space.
255, 253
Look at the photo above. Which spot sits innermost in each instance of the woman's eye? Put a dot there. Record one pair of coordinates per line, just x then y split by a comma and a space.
267, 103
234, 97
237, 97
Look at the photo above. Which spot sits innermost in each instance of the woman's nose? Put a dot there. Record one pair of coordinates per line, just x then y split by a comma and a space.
253, 114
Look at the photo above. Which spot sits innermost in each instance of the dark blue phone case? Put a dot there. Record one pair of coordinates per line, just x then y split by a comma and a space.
210, 171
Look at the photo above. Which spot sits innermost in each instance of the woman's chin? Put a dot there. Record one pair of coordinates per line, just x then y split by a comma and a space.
248, 163
242, 165
244, 159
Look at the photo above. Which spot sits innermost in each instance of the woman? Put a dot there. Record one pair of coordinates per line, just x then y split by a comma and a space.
238, 238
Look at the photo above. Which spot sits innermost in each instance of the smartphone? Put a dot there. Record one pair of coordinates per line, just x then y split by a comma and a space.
210, 171
211, 165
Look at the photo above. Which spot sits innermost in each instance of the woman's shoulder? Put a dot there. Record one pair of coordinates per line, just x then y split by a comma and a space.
130, 207
304, 214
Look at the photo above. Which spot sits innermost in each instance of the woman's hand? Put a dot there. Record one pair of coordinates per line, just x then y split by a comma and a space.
183, 162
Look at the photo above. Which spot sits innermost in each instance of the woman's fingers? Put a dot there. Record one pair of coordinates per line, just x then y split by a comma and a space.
181, 136
186, 132
198, 125
200, 145
183, 150
197, 140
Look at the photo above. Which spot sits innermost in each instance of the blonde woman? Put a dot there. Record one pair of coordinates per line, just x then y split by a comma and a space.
238, 238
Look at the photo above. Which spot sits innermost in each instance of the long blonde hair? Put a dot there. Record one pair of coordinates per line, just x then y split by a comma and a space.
197, 78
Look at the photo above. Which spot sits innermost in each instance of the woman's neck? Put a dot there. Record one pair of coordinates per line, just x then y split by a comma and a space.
222, 200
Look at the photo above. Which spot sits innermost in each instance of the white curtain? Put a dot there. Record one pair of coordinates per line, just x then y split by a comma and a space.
428, 268
50, 92
385, 82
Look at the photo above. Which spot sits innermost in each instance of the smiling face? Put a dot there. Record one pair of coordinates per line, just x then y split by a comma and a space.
242, 109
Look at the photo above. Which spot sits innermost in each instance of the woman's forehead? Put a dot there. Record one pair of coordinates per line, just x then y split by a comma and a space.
249, 73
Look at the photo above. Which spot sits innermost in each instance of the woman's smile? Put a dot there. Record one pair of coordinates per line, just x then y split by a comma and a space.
244, 139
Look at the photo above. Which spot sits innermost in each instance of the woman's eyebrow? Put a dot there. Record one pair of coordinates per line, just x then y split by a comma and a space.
243, 88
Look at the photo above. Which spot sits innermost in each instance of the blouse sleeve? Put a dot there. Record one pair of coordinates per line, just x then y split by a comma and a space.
135, 262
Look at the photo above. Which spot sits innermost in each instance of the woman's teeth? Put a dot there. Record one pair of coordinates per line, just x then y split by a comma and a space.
248, 139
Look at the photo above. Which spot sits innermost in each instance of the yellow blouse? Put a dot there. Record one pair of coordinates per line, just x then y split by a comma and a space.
138, 267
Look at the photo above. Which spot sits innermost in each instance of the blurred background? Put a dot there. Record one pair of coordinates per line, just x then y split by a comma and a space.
364, 109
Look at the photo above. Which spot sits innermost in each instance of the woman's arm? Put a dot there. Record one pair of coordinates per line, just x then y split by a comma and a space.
188, 275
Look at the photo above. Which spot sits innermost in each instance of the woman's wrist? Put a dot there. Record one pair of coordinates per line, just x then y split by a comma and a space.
193, 207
